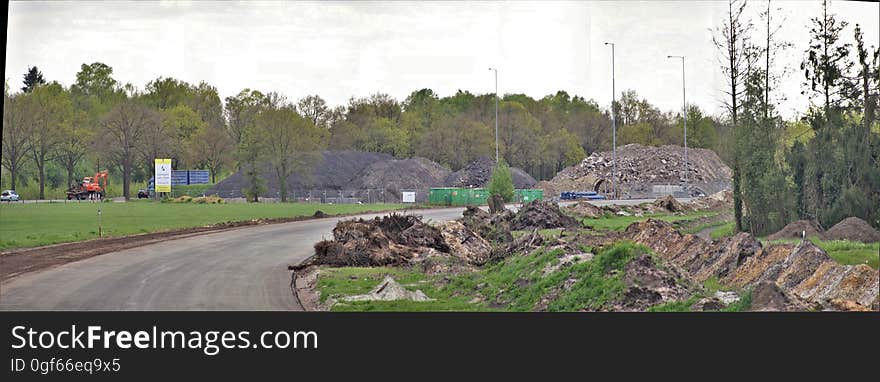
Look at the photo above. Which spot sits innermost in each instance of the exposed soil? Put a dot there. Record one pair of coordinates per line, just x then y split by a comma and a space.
796, 229
397, 240
853, 229
804, 270
402, 174
540, 214
336, 170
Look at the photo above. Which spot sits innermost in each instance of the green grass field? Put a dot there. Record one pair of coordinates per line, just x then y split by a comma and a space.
843, 251
30, 225
619, 223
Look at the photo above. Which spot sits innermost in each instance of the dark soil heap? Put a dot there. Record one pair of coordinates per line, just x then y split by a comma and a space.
478, 172
396, 240
540, 214
853, 229
401, 174
796, 229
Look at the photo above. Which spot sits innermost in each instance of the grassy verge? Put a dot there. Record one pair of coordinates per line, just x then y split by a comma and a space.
723, 230
516, 284
844, 251
619, 223
29, 225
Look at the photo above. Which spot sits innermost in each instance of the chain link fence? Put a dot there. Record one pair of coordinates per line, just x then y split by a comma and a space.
327, 196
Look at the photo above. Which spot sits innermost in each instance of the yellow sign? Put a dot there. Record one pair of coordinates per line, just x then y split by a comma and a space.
162, 180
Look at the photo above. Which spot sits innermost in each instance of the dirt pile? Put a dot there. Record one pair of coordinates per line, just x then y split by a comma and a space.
540, 214
641, 167
804, 271
494, 228
853, 229
396, 240
796, 229
479, 171
336, 170
401, 174
585, 209
648, 285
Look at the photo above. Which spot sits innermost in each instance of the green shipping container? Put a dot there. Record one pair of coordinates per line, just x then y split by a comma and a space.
528, 195
479, 196
461, 196
441, 196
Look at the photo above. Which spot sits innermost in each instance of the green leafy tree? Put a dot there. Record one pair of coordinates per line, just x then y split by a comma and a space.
501, 182
52, 113
291, 142
123, 131
16, 142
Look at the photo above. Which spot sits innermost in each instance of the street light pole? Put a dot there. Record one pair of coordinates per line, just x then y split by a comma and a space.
496, 113
613, 129
684, 117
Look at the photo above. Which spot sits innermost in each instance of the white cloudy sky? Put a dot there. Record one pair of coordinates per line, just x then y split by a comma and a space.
344, 49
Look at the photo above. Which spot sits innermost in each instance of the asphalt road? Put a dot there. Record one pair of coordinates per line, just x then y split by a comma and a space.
239, 269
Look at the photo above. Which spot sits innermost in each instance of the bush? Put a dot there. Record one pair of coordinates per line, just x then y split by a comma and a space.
501, 182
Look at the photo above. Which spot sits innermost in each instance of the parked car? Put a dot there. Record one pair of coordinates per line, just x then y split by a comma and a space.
9, 196
143, 194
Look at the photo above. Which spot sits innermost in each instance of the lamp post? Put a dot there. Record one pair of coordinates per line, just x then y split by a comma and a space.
496, 113
613, 129
684, 117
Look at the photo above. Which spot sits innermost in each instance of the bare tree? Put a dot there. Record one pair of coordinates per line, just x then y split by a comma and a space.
123, 130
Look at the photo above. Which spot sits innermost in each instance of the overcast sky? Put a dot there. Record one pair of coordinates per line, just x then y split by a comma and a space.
343, 49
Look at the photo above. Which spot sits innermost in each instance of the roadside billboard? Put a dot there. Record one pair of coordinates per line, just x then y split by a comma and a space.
163, 175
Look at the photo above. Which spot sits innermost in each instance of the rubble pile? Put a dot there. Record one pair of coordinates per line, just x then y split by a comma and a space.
640, 167
396, 240
479, 171
805, 271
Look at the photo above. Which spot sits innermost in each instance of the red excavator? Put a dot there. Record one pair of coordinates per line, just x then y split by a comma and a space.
91, 188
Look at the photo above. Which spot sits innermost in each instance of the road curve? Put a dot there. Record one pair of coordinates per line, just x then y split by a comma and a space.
239, 269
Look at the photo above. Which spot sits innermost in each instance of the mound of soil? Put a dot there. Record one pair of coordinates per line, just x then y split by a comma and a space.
853, 229
795, 230
478, 172
396, 240
585, 209
401, 174
648, 285
336, 170
540, 214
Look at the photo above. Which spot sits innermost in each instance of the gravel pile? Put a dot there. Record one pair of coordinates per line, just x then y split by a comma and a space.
478, 172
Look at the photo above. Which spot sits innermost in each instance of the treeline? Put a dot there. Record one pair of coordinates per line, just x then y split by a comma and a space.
99, 123
829, 169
